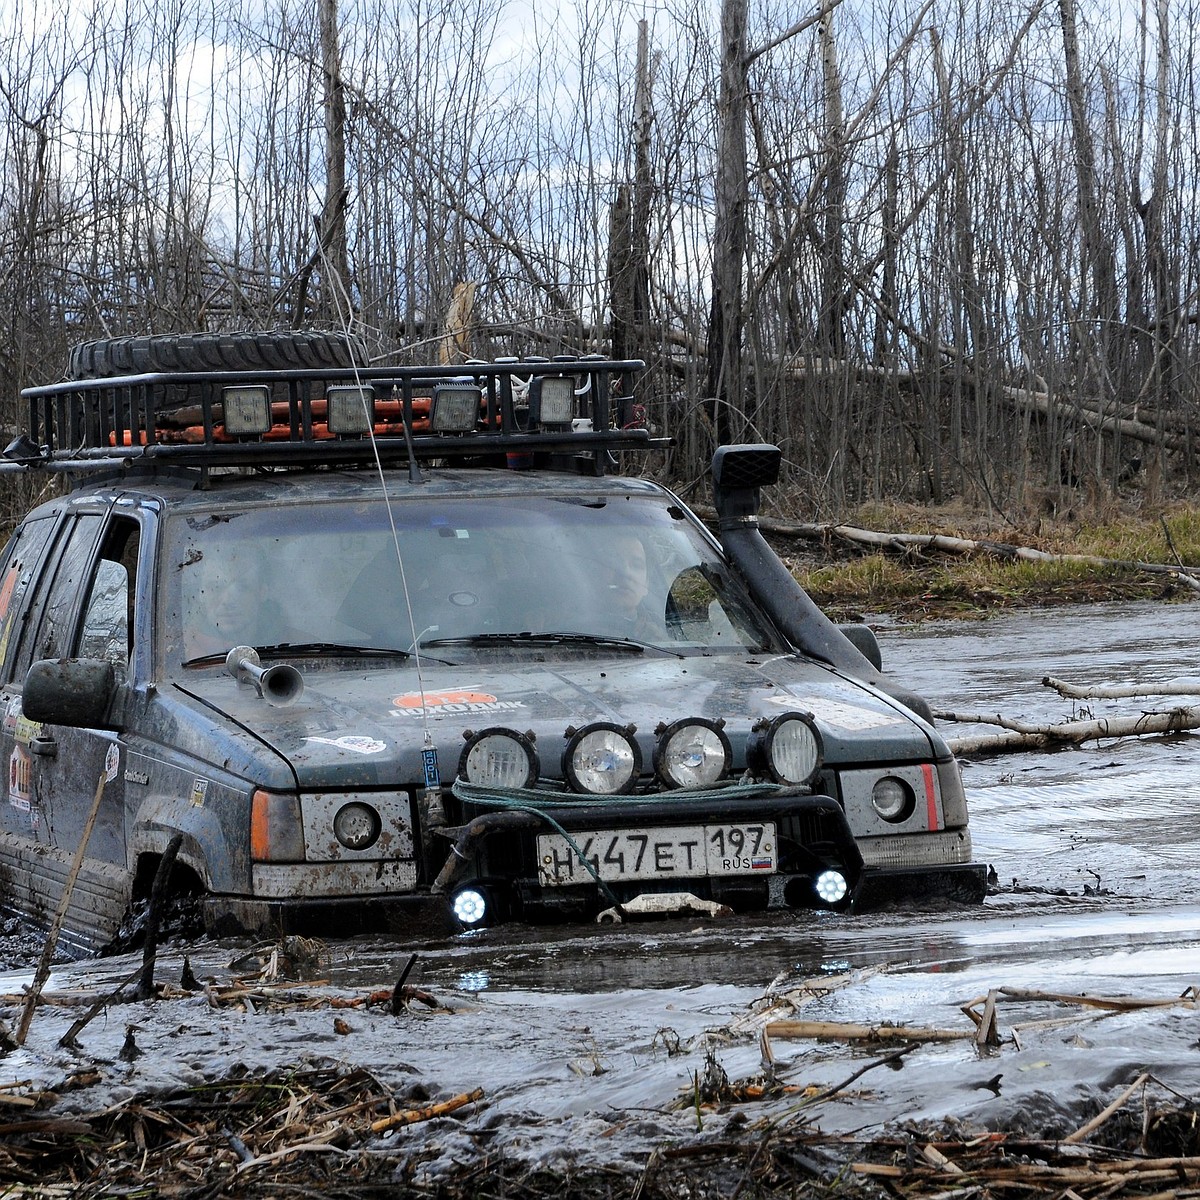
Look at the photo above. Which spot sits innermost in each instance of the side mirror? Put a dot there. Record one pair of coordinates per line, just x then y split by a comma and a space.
71, 691
862, 638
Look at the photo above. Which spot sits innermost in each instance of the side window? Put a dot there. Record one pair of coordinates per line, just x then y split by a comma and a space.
48, 630
108, 624
21, 564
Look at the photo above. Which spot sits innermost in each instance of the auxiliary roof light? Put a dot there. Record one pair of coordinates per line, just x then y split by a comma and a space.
246, 410
551, 400
693, 752
351, 410
602, 759
469, 906
832, 887
499, 758
455, 408
788, 749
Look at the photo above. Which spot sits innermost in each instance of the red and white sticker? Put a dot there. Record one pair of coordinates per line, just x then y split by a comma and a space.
454, 700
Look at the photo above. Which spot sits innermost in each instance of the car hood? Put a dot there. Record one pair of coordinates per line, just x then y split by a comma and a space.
352, 727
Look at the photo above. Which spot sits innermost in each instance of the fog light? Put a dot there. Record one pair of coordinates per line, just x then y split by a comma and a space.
499, 758
692, 753
893, 799
357, 826
788, 749
469, 906
832, 886
602, 759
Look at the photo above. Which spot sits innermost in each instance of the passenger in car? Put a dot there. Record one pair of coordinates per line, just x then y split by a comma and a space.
625, 586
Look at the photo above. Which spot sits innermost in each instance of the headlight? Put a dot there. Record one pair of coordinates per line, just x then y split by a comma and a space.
499, 758
893, 799
787, 748
602, 759
357, 826
692, 753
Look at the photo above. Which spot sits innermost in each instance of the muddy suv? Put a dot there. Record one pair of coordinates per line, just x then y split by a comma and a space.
360, 643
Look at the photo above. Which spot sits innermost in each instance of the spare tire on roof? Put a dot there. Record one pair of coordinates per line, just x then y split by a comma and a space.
288, 351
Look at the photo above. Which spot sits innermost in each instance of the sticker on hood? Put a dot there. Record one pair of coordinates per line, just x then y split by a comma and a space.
454, 700
352, 741
840, 714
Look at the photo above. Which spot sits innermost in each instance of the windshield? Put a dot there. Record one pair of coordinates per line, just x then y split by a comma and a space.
491, 574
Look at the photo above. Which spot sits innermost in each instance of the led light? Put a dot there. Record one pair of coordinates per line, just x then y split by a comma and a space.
350, 410
499, 758
692, 753
357, 826
832, 886
602, 760
246, 410
788, 749
469, 906
893, 799
551, 400
455, 408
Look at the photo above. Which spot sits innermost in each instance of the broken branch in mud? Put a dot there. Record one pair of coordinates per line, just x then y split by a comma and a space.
1023, 735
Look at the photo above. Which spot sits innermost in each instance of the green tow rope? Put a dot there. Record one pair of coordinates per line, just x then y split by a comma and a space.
539, 802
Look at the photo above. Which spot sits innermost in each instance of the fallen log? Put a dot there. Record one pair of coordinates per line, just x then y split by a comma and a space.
1021, 735
1122, 691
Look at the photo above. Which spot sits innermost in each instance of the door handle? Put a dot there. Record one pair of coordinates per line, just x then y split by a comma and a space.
47, 747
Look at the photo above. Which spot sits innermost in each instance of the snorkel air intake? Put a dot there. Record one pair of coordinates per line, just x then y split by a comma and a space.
739, 474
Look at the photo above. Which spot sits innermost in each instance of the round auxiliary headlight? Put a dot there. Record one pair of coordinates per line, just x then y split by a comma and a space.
832, 886
692, 753
499, 758
602, 760
357, 826
893, 799
788, 749
469, 906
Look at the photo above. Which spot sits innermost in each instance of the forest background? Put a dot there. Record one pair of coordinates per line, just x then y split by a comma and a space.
937, 249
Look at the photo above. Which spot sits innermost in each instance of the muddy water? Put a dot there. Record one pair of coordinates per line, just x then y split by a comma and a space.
588, 1043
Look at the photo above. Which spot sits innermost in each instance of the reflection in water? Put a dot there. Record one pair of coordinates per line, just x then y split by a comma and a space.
474, 981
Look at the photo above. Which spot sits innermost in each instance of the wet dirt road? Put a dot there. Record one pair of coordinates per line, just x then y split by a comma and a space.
589, 1044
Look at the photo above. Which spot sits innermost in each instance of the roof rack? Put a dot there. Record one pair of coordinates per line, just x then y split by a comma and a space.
514, 408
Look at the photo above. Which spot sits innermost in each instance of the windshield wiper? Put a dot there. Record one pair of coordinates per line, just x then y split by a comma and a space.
546, 639
302, 649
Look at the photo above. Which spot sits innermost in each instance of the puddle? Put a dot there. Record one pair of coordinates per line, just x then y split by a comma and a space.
584, 1040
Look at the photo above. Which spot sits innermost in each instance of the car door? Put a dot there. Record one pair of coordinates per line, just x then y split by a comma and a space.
83, 606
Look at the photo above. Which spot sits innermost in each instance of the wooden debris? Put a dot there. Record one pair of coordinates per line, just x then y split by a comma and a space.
412, 1116
1024, 735
852, 1032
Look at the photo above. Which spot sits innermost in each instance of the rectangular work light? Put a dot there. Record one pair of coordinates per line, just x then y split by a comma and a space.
351, 410
455, 408
247, 410
551, 400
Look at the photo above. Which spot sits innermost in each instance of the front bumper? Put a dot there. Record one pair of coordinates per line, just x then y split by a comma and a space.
495, 847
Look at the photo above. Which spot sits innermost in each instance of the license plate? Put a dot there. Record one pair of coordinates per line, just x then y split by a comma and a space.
678, 852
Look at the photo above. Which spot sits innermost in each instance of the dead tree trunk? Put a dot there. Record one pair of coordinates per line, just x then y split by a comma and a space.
725, 380
335, 264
